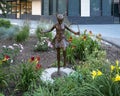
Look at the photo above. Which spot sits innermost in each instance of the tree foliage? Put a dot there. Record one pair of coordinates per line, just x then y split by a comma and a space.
4, 7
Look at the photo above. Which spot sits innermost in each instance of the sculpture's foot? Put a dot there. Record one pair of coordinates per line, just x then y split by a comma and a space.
58, 74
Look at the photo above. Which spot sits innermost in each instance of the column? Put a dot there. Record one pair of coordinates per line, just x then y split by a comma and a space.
85, 8
45, 7
54, 7
36, 7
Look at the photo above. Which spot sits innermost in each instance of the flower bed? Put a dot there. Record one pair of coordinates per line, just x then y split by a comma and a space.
94, 73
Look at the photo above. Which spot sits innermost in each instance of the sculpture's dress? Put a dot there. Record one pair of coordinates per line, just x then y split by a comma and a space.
60, 40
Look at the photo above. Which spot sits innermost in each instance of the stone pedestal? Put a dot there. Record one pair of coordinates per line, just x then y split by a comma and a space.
48, 75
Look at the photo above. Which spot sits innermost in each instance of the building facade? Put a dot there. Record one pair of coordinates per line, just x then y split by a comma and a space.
77, 11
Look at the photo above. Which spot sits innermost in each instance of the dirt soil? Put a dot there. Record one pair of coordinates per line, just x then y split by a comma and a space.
49, 57
46, 57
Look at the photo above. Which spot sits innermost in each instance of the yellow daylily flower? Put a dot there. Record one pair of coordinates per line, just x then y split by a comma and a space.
94, 74
117, 78
99, 73
112, 67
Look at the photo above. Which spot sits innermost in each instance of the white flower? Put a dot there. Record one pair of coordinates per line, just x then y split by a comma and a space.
15, 45
43, 41
21, 46
11, 61
20, 50
35, 46
11, 47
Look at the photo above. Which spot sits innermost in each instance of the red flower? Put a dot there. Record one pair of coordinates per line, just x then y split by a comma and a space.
7, 57
73, 47
70, 39
38, 58
32, 58
90, 32
38, 66
75, 33
84, 38
99, 35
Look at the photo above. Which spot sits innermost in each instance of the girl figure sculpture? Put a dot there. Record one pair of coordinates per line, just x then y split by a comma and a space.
60, 42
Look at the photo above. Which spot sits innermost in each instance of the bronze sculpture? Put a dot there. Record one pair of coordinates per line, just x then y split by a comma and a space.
60, 41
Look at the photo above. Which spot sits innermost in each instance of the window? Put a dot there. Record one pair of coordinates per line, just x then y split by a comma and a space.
95, 7
62, 6
106, 7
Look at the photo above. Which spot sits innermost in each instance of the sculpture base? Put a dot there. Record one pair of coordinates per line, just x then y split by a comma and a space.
58, 74
50, 73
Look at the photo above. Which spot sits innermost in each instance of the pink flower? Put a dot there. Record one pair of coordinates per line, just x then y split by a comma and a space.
49, 44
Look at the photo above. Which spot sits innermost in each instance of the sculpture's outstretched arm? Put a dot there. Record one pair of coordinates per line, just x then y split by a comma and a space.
49, 30
76, 33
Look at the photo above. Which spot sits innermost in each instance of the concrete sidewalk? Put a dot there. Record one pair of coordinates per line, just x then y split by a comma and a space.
109, 32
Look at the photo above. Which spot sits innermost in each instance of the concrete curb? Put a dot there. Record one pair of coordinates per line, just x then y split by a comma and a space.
112, 43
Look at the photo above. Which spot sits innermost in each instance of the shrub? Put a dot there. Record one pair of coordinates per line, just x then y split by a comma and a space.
103, 83
6, 58
41, 46
28, 74
8, 33
3, 80
43, 39
81, 47
5, 23
23, 34
68, 86
8, 53
2, 94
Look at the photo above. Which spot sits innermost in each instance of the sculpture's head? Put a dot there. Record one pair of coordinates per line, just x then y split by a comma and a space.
60, 18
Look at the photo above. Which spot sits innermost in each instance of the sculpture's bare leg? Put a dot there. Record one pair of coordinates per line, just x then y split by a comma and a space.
64, 55
58, 59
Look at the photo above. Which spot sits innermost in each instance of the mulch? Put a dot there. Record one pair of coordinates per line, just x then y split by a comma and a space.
49, 57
